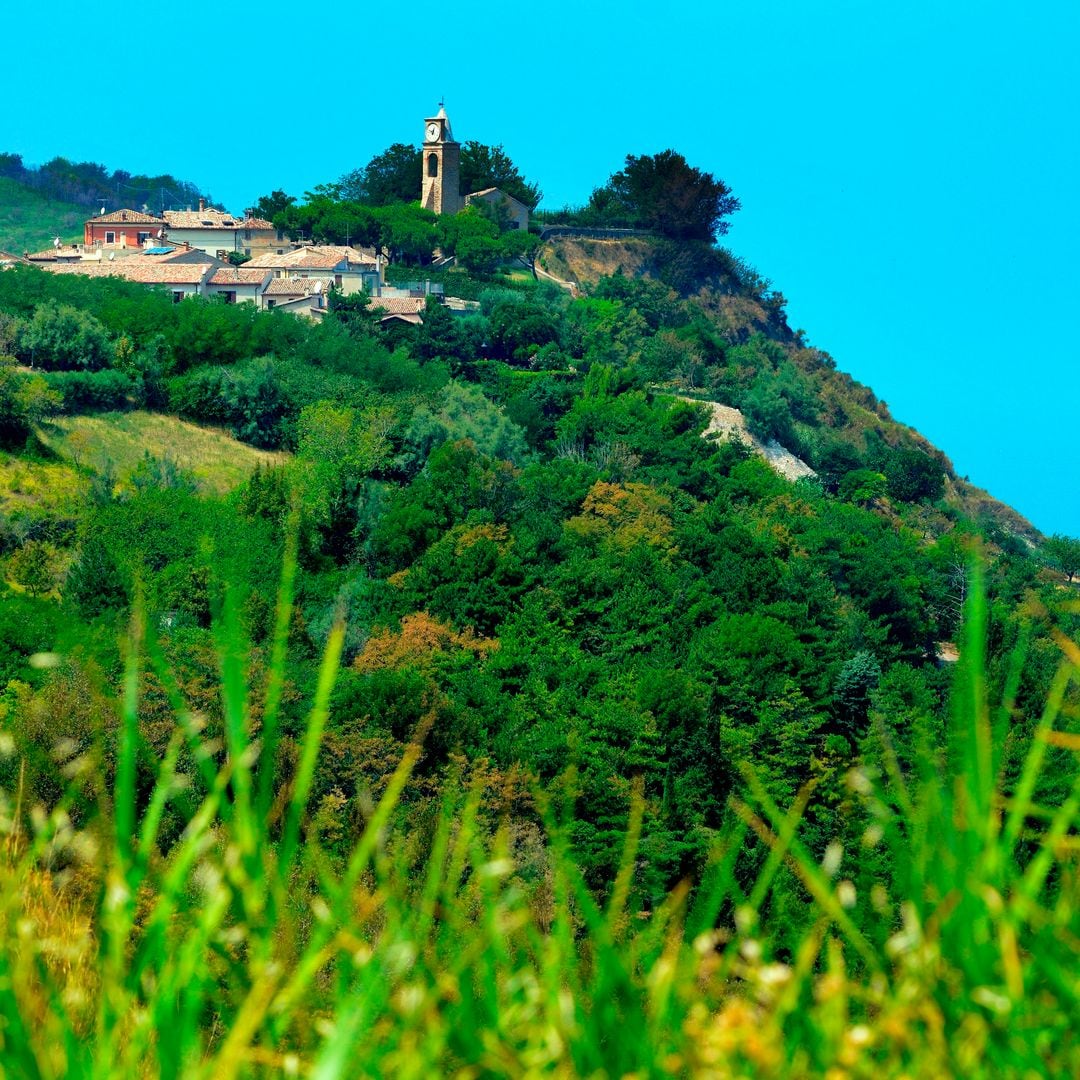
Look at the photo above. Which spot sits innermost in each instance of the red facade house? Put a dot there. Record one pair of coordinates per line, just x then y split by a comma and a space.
122, 228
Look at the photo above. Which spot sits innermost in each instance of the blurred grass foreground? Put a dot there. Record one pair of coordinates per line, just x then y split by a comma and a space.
250, 942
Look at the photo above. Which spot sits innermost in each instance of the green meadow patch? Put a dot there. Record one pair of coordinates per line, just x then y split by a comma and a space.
122, 441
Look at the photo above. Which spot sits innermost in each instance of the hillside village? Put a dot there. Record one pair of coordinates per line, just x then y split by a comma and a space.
246, 259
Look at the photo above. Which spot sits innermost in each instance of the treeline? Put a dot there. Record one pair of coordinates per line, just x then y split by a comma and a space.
89, 184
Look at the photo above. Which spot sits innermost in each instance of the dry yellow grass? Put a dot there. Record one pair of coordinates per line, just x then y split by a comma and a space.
216, 460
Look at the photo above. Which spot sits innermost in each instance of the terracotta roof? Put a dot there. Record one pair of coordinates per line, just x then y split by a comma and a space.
400, 305
53, 254
209, 218
129, 217
316, 257
10, 257
153, 273
409, 317
296, 286
238, 275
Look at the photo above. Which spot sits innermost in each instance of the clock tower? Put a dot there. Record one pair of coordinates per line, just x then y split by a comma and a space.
440, 186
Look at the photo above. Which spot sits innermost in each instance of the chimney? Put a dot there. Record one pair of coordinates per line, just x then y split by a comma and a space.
202, 205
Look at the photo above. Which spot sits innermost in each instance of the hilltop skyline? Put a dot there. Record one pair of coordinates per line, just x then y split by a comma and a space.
904, 176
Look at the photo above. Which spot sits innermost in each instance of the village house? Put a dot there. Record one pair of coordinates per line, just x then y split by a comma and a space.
346, 268
504, 207
238, 284
181, 279
122, 228
300, 296
400, 309
219, 233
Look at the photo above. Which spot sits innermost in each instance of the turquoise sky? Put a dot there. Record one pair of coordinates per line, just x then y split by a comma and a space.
908, 172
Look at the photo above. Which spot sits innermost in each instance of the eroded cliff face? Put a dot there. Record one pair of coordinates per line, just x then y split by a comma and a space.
584, 261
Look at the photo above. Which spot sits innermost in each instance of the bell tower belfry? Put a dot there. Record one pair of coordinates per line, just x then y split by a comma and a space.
440, 186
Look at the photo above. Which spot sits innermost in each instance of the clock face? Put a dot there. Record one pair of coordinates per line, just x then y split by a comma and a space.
433, 131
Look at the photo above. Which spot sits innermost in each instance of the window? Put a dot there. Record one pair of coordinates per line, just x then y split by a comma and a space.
337, 280
247, 236
177, 297
247, 251
280, 236
270, 303
110, 238
230, 297
432, 164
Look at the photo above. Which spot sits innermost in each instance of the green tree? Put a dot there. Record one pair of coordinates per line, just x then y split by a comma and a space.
25, 400
1063, 552
63, 337
862, 486
392, 176
913, 475
461, 412
665, 193
269, 206
95, 583
409, 232
768, 414
855, 684
519, 326
473, 238
35, 567
521, 245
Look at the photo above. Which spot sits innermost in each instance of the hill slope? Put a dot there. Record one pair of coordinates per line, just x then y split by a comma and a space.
29, 221
735, 298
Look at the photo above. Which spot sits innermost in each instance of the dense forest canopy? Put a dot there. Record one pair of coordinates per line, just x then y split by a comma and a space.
517, 504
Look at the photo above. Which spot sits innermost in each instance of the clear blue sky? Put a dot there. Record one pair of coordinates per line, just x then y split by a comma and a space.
908, 172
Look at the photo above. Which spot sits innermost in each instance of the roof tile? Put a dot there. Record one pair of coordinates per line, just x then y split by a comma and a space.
129, 217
